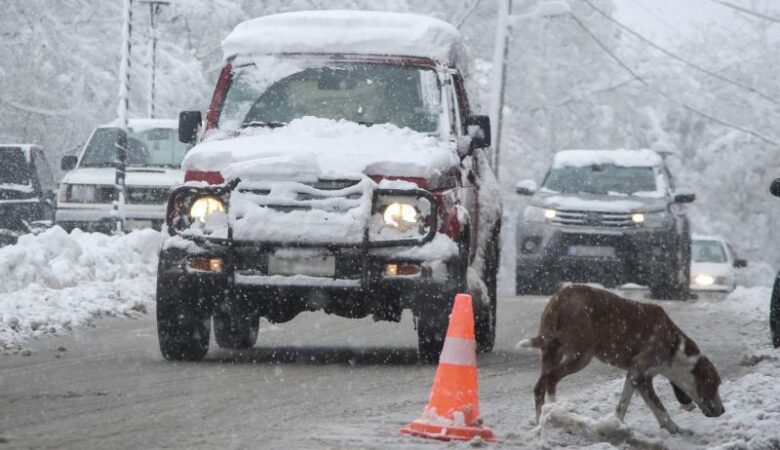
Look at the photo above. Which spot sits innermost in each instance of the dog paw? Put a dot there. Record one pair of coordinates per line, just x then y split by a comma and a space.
671, 427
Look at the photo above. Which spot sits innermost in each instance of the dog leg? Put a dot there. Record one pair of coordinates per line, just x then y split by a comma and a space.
625, 398
539, 391
645, 388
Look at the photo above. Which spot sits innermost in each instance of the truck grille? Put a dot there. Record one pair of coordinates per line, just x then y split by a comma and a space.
592, 218
146, 195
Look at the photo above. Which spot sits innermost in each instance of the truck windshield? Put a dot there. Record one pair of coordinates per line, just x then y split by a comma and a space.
407, 96
708, 252
602, 179
13, 167
154, 147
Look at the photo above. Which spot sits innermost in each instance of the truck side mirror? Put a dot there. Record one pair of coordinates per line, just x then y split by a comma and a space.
189, 124
69, 162
683, 195
478, 129
526, 187
740, 263
774, 188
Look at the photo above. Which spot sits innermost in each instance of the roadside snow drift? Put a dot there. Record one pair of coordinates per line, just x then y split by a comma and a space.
56, 280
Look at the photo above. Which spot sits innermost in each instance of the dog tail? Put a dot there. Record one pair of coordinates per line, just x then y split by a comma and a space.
536, 342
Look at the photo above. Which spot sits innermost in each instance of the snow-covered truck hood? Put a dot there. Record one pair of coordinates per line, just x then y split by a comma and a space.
311, 148
598, 203
135, 176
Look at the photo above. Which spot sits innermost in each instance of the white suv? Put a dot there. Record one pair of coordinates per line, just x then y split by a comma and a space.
153, 166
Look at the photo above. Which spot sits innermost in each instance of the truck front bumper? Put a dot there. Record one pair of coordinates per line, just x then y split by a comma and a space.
364, 281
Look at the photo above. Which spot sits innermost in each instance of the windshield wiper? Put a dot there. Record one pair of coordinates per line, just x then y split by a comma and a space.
258, 123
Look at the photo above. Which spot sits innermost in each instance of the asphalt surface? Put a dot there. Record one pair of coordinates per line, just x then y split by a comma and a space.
318, 381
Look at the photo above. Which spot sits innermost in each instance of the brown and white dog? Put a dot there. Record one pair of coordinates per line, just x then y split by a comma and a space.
581, 322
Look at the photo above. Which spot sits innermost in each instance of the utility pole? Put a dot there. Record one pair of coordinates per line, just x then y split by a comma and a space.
498, 84
504, 23
154, 10
122, 110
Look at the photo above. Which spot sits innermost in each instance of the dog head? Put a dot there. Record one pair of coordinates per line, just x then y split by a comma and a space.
695, 379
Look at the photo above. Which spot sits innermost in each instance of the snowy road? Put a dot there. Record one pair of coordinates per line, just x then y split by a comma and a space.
316, 382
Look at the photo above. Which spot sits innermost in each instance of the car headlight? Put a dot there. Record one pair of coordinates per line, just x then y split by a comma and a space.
537, 214
656, 219
403, 216
704, 280
81, 193
203, 207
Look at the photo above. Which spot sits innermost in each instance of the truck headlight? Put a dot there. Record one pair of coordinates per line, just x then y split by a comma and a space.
81, 193
537, 214
203, 207
403, 216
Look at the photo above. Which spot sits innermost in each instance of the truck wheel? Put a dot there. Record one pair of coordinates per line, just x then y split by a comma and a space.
431, 331
235, 333
485, 323
183, 322
676, 284
535, 284
774, 313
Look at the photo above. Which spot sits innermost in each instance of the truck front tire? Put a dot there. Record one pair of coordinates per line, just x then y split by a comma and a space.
183, 321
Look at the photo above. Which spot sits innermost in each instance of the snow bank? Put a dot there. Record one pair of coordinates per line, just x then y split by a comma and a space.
313, 147
345, 32
55, 280
620, 157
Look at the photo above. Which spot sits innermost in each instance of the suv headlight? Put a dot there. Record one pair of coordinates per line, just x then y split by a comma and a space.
656, 219
202, 208
537, 214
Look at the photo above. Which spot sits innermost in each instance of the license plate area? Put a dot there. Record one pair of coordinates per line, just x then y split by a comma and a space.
292, 263
591, 251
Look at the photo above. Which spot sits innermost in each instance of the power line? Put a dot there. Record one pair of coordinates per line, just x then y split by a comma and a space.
678, 58
467, 14
644, 82
747, 11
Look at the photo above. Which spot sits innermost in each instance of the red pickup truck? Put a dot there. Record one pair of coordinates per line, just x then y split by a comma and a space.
340, 168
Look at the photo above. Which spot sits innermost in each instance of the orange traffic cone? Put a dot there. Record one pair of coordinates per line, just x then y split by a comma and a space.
453, 406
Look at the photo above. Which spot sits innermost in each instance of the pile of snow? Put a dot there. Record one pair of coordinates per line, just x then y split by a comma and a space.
620, 157
55, 280
345, 32
310, 148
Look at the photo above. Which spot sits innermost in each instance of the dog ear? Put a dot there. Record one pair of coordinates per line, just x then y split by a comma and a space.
681, 396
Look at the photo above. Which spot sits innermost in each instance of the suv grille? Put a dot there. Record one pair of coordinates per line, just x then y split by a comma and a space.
592, 218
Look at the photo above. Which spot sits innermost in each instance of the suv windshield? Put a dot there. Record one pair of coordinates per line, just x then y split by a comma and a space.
601, 179
154, 147
708, 252
407, 96
13, 167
